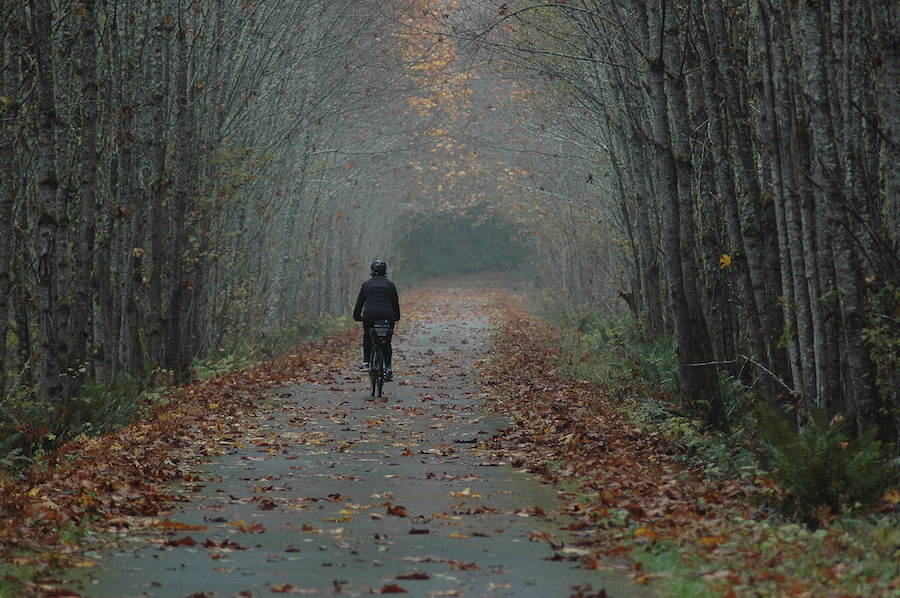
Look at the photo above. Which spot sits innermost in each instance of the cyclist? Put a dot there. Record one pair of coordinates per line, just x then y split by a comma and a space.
377, 300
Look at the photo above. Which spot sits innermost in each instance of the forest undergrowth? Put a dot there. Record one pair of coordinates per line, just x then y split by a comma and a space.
32, 427
699, 514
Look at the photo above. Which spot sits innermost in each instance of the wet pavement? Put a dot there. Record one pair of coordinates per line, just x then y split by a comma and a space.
332, 492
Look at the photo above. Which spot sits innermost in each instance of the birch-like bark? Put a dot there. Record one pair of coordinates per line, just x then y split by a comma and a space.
647, 251
798, 215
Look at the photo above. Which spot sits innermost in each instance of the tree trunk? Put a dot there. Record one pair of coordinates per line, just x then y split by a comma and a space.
797, 222
55, 382
699, 382
756, 224
846, 266
9, 118
87, 218
793, 310
157, 187
888, 18
727, 194
178, 349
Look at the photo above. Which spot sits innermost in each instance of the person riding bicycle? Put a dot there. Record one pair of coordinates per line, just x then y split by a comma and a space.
377, 300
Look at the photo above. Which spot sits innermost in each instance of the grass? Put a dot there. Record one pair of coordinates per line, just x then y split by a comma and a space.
10, 586
674, 576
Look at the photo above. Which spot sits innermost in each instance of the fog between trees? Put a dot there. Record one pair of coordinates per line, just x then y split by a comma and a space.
180, 176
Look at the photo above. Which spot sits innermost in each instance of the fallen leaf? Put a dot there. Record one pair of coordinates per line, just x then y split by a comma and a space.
177, 525
397, 511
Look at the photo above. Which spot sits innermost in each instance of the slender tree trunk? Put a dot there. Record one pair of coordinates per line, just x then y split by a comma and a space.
6, 237
724, 176
178, 349
773, 149
648, 249
846, 265
23, 318
9, 118
888, 18
88, 159
157, 186
700, 383
798, 210
756, 225
56, 383
280, 307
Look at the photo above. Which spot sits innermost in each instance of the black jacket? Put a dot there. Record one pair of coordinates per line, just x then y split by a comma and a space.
377, 300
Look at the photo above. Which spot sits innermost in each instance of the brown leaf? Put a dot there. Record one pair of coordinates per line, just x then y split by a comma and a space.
177, 525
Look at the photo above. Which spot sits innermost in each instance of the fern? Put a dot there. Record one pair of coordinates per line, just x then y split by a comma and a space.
822, 466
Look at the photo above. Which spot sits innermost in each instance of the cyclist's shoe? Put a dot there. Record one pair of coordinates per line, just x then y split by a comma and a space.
364, 367
389, 375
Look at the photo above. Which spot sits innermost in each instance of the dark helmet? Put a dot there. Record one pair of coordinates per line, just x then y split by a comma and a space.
379, 267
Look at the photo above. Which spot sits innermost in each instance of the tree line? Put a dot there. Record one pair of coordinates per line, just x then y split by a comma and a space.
729, 168
180, 175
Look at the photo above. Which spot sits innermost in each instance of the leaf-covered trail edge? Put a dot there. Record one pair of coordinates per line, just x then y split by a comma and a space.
639, 495
633, 491
104, 481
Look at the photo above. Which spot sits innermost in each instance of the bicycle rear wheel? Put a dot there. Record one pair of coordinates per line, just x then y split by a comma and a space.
372, 371
378, 367
376, 371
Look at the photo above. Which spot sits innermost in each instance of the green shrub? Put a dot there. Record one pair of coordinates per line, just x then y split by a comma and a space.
101, 408
619, 349
822, 466
227, 363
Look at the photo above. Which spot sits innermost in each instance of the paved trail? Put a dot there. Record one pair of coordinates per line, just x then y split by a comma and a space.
332, 492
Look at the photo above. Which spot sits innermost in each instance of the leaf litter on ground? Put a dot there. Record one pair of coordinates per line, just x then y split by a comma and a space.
638, 495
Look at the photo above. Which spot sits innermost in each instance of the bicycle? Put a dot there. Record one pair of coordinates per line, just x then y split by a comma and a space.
381, 333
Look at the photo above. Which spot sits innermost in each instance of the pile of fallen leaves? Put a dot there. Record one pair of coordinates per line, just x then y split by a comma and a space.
113, 477
634, 492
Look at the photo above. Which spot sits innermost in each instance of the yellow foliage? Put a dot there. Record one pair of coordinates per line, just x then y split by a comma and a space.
724, 261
